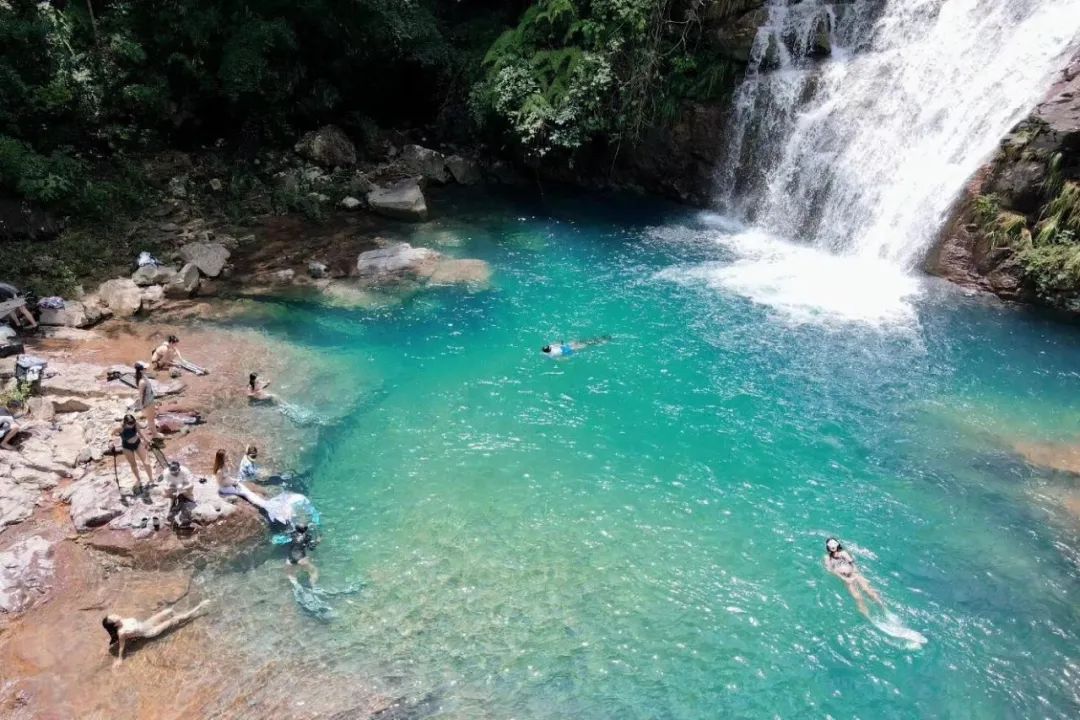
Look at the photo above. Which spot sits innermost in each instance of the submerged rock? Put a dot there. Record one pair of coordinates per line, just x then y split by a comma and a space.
209, 257
395, 262
404, 201
470, 272
26, 569
328, 146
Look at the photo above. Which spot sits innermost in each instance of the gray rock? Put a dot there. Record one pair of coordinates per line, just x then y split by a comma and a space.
429, 164
210, 258
153, 275
328, 146
185, 283
74, 315
121, 295
17, 502
94, 500
216, 185
359, 184
153, 297
69, 405
284, 277
178, 186
351, 203
317, 269
403, 201
395, 262
26, 569
463, 170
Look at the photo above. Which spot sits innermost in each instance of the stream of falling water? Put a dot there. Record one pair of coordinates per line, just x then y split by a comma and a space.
863, 152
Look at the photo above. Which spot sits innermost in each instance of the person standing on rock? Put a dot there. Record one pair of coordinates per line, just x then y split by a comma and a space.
133, 445
147, 401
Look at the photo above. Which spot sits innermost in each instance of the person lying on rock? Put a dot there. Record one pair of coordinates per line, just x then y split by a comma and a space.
167, 354
301, 541
10, 295
256, 390
133, 444
123, 629
8, 429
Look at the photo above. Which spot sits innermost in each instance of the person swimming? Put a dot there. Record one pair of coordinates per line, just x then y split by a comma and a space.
563, 349
840, 563
301, 542
256, 390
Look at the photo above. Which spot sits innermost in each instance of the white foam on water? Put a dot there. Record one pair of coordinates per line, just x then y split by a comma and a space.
804, 284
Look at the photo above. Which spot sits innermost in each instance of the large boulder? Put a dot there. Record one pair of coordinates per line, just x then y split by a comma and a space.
328, 146
94, 500
26, 569
121, 295
429, 164
463, 170
403, 201
209, 257
396, 262
74, 315
185, 283
467, 272
153, 275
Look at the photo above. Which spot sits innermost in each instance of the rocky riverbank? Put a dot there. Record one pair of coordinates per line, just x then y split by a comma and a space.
76, 543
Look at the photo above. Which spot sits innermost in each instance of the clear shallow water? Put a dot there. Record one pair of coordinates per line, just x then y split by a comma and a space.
637, 532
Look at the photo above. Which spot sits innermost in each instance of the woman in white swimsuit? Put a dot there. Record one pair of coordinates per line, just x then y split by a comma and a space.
839, 562
122, 629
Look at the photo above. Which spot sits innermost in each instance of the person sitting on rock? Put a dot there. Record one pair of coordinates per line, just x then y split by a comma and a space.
256, 390
122, 629
249, 469
180, 488
166, 355
19, 315
134, 444
8, 429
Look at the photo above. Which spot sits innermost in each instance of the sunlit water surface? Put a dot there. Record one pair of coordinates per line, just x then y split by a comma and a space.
637, 532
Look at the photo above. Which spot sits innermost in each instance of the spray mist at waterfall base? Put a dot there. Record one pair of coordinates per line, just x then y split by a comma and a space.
804, 284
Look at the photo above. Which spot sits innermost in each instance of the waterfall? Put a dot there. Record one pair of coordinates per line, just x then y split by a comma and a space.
862, 152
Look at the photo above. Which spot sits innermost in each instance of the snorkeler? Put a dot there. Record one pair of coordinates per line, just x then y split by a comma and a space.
566, 349
122, 629
839, 562
301, 541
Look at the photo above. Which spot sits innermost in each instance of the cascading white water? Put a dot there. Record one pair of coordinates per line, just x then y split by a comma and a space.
863, 153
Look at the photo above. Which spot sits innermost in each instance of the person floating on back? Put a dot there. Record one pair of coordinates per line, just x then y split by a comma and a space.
563, 349
839, 562
122, 629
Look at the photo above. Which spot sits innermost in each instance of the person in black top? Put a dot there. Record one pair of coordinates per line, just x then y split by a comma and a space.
134, 444
302, 540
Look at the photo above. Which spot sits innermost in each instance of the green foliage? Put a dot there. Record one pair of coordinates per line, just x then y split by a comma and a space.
574, 71
16, 395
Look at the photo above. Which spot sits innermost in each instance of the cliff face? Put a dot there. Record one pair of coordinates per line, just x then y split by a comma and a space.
1014, 231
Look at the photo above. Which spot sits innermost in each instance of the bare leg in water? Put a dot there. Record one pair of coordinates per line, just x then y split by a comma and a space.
853, 588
